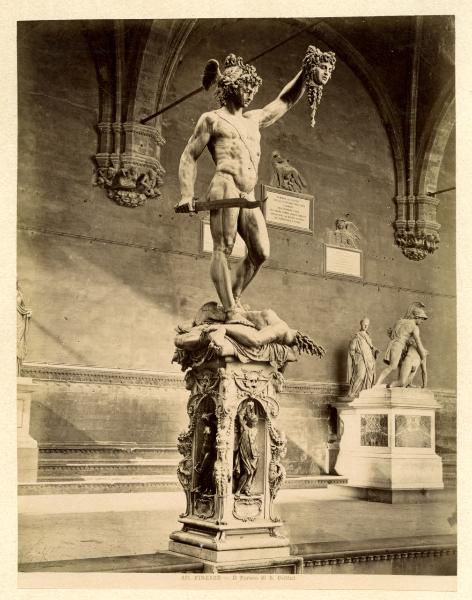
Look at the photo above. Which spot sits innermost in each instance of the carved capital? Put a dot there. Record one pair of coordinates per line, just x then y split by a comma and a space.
416, 233
127, 164
417, 245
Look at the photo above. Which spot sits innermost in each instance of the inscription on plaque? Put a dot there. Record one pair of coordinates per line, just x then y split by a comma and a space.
342, 261
239, 250
288, 210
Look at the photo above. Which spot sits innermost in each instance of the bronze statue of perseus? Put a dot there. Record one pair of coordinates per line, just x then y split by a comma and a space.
233, 140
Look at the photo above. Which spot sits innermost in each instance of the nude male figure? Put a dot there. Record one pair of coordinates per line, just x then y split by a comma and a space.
409, 366
233, 140
405, 348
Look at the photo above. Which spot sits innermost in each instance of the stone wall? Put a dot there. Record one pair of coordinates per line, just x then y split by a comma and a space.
86, 408
108, 284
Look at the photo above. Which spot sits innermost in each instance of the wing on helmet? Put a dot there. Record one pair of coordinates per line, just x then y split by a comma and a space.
211, 73
354, 231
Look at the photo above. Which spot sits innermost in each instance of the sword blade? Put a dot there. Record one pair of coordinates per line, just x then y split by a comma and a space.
202, 205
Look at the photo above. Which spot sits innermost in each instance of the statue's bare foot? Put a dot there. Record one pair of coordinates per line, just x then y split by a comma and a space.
235, 317
216, 338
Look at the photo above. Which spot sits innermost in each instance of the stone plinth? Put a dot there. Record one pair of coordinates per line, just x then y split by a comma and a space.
387, 443
27, 447
231, 470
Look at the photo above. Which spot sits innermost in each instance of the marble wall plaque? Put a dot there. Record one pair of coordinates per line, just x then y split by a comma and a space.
288, 210
374, 430
412, 431
343, 261
239, 250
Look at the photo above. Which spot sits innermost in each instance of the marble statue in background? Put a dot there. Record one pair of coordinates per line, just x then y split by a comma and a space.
246, 450
23, 316
286, 176
233, 140
405, 351
361, 361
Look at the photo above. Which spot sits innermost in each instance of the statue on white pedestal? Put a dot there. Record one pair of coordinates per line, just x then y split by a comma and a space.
405, 351
23, 316
361, 361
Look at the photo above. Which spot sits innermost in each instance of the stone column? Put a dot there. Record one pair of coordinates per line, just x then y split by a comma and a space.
387, 444
231, 470
27, 447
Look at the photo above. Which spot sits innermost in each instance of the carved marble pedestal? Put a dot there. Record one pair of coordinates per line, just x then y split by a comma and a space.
27, 447
231, 470
387, 444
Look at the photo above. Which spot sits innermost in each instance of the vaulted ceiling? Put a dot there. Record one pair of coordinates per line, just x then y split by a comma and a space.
406, 63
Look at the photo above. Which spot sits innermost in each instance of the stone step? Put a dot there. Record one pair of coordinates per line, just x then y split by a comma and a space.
313, 481
421, 555
142, 483
103, 485
88, 452
51, 469
159, 562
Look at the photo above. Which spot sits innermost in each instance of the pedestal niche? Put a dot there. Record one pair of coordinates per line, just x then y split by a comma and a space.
27, 447
231, 470
387, 444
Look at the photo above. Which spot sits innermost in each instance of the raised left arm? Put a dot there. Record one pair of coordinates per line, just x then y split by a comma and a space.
287, 98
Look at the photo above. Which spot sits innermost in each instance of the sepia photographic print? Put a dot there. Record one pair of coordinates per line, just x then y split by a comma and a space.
236, 301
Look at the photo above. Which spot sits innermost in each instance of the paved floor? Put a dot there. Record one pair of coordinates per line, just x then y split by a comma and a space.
96, 525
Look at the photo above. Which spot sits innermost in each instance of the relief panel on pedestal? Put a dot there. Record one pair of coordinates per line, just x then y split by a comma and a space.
374, 430
413, 431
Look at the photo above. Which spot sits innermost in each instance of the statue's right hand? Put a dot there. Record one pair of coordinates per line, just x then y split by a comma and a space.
186, 205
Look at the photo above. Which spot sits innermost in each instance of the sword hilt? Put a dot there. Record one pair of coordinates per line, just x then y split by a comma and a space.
185, 208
